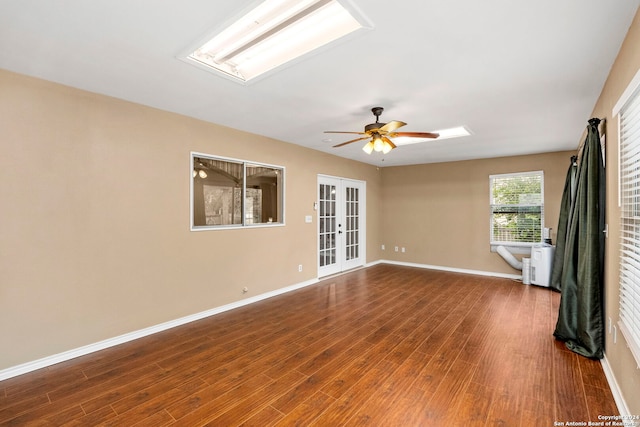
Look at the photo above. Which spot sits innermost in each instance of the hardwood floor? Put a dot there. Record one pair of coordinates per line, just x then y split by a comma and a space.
382, 346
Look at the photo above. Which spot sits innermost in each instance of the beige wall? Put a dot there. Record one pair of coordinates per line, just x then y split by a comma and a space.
440, 212
94, 223
618, 355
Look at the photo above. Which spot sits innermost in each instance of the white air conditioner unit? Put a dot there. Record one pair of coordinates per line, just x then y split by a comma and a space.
541, 265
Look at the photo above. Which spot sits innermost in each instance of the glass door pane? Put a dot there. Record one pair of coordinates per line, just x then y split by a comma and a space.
352, 223
327, 223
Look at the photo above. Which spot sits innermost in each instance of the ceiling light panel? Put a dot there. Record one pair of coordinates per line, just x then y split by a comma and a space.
276, 32
456, 132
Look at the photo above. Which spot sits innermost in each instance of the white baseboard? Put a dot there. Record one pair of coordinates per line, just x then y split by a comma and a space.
81, 351
450, 269
623, 409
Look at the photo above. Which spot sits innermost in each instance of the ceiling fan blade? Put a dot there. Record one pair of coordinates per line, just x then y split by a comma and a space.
392, 125
349, 142
388, 141
339, 131
417, 134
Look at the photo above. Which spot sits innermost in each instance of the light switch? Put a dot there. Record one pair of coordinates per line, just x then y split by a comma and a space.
308, 219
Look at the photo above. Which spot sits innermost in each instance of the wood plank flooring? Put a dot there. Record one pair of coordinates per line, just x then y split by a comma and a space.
382, 346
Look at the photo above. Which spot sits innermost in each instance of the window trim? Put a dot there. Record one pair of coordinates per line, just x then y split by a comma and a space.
245, 163
630, 332
525, 245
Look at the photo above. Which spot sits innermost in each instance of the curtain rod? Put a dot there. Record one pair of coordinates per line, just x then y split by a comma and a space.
601, 132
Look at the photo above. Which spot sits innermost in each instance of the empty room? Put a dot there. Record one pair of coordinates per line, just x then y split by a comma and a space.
319, 213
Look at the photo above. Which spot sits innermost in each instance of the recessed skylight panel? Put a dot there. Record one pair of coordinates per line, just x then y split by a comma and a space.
274, 33
456, 132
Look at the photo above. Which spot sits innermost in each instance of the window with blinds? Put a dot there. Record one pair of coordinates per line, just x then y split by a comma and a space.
517, 208
629, 191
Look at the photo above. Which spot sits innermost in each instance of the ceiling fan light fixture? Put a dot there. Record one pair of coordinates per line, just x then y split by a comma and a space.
368, 148
386, 148
273, 33
378, 144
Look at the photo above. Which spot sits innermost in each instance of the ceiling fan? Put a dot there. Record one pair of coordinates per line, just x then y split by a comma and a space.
380, 134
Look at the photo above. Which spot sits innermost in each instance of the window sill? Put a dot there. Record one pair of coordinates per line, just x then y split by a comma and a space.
236, 226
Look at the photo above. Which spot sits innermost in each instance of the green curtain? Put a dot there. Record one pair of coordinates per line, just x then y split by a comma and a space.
568, 197
581, 315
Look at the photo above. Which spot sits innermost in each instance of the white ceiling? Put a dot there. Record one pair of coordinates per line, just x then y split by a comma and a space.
523, 76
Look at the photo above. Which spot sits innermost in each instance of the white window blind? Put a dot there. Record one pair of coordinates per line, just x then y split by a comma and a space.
630, 223
517, 208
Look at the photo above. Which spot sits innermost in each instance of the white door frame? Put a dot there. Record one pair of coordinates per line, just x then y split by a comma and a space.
341, 240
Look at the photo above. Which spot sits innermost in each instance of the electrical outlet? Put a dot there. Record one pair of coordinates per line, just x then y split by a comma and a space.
396, 248
403, 251
299, 267
383, 247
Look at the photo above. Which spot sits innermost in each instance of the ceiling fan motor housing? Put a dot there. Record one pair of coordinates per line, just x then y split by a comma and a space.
373, 126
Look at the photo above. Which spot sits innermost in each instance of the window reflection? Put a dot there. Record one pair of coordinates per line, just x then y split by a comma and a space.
218, 188
262, 197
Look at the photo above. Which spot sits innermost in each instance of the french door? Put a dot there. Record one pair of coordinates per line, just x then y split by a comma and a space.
341, 224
